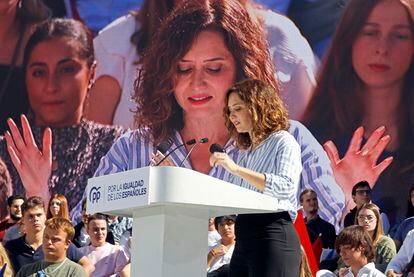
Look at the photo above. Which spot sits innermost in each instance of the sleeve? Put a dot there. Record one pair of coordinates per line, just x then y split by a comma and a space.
282, 182
74, 254
385, 252
404, 255
317, 175
121, 260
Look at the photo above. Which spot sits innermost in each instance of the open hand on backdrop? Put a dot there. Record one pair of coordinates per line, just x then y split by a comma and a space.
34, 166
359, 163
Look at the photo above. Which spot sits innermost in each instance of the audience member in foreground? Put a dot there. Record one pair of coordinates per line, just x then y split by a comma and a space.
57, 238
28, 248
403, 263
219, 255
354, 245
107, 258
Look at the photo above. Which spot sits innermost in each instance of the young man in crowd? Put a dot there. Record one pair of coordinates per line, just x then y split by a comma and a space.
110, 258
57, 238
14, 204
219, 256
315, 225
28, 248
402, 264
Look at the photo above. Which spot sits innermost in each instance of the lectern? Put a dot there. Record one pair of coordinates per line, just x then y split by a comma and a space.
170, 207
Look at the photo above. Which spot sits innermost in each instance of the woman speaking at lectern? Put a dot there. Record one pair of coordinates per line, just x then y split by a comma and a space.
269, 163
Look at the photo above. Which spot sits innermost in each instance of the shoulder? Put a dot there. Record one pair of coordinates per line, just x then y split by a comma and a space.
282, 138
29, 269
115, 38
15, 244
386, 242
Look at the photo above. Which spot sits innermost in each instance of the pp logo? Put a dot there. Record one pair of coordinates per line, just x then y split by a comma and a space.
94, 194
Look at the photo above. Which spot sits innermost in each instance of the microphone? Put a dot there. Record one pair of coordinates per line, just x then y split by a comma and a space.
215, 147
188, 142
203, 140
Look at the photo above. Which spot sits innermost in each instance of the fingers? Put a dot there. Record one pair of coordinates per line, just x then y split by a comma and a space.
383, 165
373, 140
379, 148
47, 145
15, 134
356, 141
332, 152
15, 159
27, 132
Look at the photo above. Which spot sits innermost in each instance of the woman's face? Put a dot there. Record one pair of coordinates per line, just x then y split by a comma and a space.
204, 75
57, 81
239, 114
383, 51
55, 206
366, 218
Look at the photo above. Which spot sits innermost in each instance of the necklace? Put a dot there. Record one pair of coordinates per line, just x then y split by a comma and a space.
50, 273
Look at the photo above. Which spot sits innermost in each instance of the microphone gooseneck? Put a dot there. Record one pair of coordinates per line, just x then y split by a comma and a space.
188, 142
203, 140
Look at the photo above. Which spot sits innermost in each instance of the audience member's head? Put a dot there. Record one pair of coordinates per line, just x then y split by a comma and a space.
14, 207
190, 32
309, 201
5, 188
34, 215
56, 238
354, 245
97, 229
58, 58
361, 193
225, 227
58, 206
369, 217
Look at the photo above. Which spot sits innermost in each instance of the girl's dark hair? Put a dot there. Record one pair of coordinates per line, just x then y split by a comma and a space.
159, 114
410, 206
337, 105
266, 109
62, 28
355, 236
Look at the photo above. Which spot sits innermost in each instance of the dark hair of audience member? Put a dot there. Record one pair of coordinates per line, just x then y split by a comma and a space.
60, 223
266, 109
12, 198
5, 188
97, 216
337, 105
410, 204
379, 231
160, 115
226, 218
62, 28
64, 208
305, 191
362, 184
31, 203
355, 236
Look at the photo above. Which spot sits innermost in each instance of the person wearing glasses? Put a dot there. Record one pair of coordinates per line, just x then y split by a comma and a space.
361, 194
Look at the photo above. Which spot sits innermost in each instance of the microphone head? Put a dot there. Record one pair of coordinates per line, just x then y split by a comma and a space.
164, 146
216, 148
204, 140
190, 142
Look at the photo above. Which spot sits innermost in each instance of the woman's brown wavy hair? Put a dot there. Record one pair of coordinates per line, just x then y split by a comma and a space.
267, 111
337, 106
159, 114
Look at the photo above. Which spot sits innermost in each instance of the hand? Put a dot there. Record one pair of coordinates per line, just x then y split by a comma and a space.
359, 164
34, 166
219, 250
219, 158
157, 157
343, 271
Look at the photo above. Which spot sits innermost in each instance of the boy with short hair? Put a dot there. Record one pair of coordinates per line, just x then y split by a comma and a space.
57, 236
